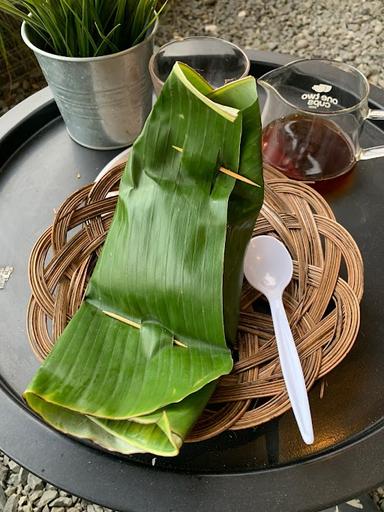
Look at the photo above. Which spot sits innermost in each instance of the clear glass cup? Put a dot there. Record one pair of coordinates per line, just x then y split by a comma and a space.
217, 60
312, 119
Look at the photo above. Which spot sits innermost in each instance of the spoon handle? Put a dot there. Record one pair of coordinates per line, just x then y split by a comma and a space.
292, 370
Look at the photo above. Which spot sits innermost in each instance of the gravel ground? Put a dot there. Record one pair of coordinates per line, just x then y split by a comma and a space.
20, 491
378, 498
347, 30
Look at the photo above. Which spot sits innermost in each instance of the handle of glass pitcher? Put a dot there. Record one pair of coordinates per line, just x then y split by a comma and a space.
377, 151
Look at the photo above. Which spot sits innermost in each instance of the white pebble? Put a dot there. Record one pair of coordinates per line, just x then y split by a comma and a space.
301, 43
210, 28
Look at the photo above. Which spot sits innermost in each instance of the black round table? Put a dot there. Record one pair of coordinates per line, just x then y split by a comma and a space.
268, 468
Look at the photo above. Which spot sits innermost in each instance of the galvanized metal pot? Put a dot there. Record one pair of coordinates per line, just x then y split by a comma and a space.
104, 100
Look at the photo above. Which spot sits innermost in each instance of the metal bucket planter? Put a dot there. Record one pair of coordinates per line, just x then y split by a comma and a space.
104, 100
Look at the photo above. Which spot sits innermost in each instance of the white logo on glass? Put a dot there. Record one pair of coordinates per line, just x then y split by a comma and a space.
318, 99
322, 88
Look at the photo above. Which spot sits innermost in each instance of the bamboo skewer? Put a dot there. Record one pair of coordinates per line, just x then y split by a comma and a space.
137, 326
238, 176
232, 174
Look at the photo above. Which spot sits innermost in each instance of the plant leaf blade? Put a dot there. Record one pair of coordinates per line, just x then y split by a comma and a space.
163, 269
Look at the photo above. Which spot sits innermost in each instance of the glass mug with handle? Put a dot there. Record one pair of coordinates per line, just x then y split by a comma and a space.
312, 119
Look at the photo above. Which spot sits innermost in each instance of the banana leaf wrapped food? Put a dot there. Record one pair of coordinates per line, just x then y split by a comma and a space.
138, 362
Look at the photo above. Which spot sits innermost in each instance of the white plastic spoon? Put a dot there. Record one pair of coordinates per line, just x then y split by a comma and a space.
268, 268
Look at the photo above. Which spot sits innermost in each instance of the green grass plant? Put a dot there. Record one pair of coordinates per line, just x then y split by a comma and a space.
85, 28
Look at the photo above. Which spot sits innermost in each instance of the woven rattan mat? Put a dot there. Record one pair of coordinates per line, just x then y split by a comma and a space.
322, 301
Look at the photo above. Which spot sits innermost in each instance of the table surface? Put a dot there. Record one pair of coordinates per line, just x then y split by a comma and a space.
267, 468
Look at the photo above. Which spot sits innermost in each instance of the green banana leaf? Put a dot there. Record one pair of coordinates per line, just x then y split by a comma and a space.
172, 263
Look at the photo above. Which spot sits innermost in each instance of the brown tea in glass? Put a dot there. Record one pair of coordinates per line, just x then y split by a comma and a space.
306, 147
313, 114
